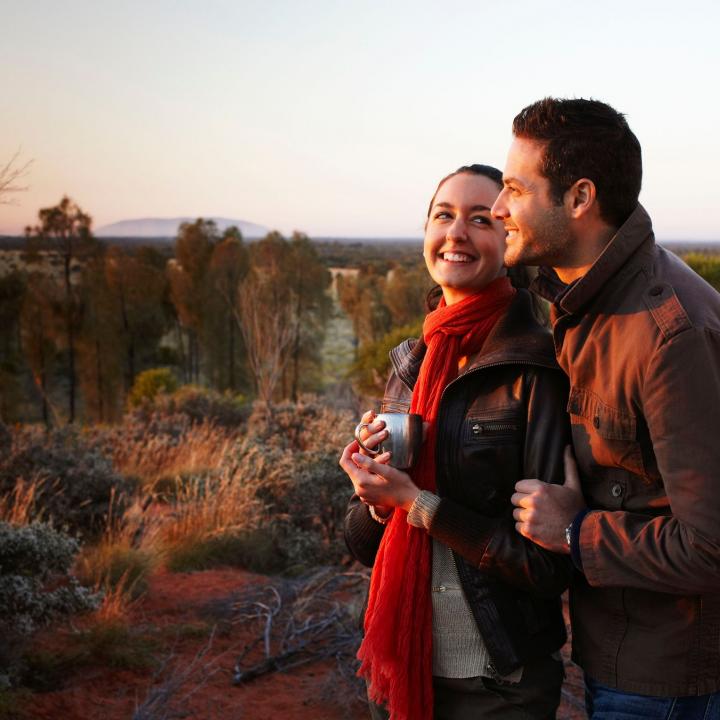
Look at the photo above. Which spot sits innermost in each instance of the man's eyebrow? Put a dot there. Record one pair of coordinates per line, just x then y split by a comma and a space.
511, 180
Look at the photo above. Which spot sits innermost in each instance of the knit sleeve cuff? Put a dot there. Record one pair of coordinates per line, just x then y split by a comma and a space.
423, 510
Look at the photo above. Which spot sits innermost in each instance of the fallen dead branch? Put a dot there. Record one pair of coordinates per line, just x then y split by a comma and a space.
301, 621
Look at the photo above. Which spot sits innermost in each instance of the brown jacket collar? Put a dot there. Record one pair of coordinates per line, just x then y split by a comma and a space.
634, 238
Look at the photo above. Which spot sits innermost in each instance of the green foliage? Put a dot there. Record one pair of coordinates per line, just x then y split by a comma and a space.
150, 383
255, 550
376, 303
116, 566
372, 367
707, 266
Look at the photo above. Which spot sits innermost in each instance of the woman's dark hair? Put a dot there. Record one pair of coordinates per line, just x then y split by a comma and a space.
520, 276
586, 139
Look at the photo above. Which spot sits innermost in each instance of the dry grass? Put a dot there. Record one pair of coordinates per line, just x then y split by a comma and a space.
154, 457
16, 508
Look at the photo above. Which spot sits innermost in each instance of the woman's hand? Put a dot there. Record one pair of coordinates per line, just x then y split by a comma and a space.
377, 483
373, 434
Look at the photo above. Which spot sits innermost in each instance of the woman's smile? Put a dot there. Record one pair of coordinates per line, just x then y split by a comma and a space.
464, 246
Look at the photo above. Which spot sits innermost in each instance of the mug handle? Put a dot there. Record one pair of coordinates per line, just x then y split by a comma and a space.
369, 451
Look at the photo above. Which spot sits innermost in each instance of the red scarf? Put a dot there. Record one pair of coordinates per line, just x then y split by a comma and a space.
396, 653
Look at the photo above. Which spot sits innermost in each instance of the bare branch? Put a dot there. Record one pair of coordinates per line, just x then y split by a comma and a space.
311, 620
10, 174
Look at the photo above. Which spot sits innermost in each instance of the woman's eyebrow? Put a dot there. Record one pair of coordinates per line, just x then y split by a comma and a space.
474, 208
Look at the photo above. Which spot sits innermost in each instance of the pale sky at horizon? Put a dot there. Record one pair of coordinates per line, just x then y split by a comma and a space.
338, 118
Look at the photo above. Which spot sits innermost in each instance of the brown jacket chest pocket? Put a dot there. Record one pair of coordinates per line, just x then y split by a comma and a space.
603, 435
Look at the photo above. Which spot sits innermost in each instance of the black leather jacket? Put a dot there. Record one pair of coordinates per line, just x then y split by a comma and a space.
502, 420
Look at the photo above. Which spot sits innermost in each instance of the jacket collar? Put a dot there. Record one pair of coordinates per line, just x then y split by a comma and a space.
516, 338
619, 257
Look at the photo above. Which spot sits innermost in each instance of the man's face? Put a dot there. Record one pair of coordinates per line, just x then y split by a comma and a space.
538, 230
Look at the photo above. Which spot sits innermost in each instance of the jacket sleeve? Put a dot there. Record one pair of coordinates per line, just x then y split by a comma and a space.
675, 553
362, 533
493, 544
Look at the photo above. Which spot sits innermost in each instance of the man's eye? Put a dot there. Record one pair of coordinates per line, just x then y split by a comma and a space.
442, 215
481, 220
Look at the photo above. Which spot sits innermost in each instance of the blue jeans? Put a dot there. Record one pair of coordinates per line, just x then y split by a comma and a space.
604, 703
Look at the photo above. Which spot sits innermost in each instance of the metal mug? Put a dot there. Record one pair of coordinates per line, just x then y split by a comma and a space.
403, 441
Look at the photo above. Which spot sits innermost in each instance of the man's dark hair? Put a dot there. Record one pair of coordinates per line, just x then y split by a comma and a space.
586, 139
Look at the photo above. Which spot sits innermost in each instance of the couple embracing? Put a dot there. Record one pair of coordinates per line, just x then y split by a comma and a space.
584, 456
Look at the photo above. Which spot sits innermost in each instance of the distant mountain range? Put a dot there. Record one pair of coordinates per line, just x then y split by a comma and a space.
168, 227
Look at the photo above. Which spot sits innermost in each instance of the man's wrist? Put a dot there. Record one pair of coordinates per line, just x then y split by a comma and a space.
572, 534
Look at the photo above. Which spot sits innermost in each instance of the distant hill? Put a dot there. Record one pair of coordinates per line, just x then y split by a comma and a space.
168, 227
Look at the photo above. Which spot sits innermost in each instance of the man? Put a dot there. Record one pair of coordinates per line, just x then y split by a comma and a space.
638, 334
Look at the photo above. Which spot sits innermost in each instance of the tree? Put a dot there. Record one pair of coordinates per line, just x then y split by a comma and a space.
12, 291
361, 298
66, 230
38, 336
265, 315
189, 288
405, 292
229, 265
309, 282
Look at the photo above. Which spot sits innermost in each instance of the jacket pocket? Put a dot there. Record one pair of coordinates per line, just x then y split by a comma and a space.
610, 434
483, 429
490, 462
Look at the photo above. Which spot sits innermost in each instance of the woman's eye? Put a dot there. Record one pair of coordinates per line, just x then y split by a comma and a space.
481, 220
442, 215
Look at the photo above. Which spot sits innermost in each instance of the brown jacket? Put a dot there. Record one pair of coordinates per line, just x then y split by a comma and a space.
639, 337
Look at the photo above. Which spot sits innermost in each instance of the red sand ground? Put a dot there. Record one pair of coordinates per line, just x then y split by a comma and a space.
177, 600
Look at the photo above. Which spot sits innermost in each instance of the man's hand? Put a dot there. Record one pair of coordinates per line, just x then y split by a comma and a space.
543, 511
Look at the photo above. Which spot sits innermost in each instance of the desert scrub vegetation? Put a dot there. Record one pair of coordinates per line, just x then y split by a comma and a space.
72, 481
191, 480
275, 501
35, 585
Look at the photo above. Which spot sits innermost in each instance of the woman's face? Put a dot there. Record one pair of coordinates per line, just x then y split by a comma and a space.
464, 245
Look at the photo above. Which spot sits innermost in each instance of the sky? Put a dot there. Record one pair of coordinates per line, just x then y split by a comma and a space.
338, 117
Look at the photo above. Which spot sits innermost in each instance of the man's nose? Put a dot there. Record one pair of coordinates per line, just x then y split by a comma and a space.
499, 209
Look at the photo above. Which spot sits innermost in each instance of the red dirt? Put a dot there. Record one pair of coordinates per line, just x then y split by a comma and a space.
173, 601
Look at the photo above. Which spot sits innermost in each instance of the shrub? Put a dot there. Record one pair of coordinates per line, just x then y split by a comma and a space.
195, 404
372, 367
308, 425
276, 502
707, 266
149, 383
35, 585
74, 484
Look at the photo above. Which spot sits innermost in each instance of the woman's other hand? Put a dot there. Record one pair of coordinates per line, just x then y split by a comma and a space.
377, 483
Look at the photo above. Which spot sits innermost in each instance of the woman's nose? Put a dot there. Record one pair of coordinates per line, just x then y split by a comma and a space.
457, 229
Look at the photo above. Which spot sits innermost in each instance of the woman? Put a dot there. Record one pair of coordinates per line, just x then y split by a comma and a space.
463, 617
